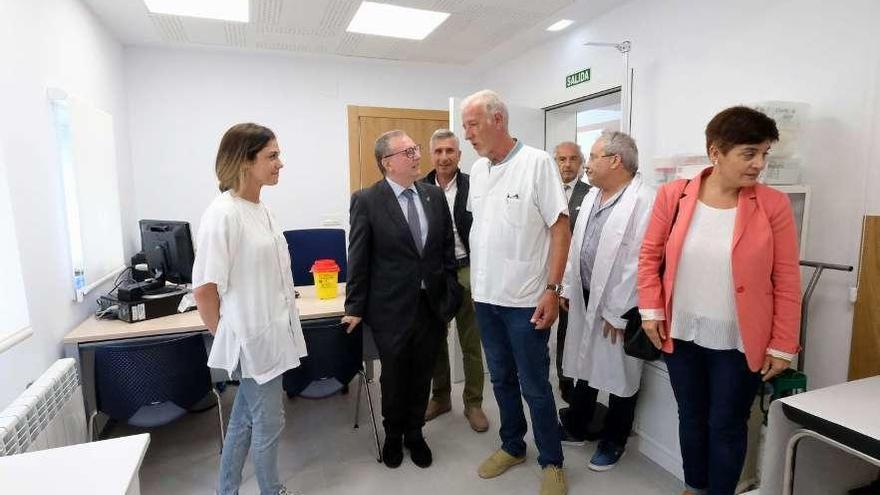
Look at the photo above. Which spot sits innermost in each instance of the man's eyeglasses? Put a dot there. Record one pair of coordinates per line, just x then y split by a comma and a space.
593, 158
410, 152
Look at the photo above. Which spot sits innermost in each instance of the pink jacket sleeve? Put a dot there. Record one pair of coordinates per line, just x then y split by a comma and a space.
786, 279
649, 283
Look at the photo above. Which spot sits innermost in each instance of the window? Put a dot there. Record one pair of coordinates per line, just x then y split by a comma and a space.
87, 152
14, 320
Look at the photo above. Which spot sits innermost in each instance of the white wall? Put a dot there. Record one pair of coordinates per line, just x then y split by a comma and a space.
693, 58
181, 102
56, 43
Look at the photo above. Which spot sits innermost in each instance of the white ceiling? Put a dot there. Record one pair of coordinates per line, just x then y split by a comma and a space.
318, 27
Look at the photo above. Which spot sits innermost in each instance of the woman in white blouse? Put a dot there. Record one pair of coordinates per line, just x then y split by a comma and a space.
719, 292
244, 290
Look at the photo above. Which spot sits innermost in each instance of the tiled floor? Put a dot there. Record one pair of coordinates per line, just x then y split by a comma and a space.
321, 453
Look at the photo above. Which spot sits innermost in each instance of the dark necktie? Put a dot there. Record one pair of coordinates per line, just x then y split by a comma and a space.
412, 218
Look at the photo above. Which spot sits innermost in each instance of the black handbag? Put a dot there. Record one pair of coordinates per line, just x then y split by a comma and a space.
635, 342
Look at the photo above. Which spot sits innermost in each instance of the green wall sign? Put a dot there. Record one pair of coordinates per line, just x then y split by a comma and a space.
578, 77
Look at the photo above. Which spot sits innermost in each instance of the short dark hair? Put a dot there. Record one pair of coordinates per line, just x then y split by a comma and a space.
739, 125
383, 146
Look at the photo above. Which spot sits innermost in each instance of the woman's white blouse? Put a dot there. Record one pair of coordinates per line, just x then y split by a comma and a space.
241, 249
703, 309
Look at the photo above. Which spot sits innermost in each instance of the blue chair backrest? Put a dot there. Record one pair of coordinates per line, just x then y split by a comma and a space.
332, 353
308, 245
129, 376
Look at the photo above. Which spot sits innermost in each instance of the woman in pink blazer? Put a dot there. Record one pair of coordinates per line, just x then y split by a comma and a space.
719, 293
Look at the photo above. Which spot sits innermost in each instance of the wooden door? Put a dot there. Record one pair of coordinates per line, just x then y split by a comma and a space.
864, 358
365, 124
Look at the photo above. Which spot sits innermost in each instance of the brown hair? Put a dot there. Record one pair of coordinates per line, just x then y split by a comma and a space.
739, 125
238, 149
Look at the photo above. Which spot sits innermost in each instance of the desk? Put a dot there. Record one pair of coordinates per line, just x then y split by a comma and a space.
80, 342
108, 467
846, 413
95, 330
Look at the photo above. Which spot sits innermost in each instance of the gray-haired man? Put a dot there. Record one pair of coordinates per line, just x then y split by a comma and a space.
519, 242
570, 160
445, 155
402, 283
600, 287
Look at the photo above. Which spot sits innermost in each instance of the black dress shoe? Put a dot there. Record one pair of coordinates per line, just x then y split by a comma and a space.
568, 437
392, 451
419, 452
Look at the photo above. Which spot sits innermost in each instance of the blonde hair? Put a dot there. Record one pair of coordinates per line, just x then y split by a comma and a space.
238, 150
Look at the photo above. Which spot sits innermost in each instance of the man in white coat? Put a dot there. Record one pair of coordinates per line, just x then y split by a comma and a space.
599, 287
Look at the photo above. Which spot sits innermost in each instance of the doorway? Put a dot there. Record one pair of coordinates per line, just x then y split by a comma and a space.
865, 346
583, 120
366, 124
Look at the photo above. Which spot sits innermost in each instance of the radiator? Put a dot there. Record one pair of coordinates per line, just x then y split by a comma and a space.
49, 414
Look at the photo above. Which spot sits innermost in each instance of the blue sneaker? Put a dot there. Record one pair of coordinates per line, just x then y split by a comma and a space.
606, 456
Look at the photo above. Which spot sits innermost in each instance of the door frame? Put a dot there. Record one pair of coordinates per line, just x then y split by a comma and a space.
356, 112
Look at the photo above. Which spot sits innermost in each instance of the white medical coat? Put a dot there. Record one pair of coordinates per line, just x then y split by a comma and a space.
588, 355
242, 251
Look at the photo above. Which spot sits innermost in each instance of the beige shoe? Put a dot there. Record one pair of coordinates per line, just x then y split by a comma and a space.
554, 481
436, 408
477, 418
497, 463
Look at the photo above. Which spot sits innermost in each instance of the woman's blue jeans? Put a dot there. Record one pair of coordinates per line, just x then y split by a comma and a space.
715, 391
255, 424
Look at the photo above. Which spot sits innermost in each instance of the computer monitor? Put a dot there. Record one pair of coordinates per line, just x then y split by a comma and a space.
168, 247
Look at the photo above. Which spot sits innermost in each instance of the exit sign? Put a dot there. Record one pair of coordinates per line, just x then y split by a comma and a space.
578, 77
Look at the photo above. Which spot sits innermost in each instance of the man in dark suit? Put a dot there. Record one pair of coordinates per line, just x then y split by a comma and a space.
445, 155
570, 159
402, 283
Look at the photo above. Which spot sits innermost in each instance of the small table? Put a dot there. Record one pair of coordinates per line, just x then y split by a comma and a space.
79, 344
108, 467
842, 423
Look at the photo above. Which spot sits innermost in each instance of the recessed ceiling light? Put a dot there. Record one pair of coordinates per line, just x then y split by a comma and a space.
397, 22
560, 25
223, 10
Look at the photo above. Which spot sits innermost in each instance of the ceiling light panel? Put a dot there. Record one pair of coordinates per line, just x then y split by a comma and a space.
560, 25
397, 22
223, 10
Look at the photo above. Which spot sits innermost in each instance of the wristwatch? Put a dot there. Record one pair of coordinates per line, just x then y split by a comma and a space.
556, 288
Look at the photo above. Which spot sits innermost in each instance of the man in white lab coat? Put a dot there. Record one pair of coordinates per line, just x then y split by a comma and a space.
599, 287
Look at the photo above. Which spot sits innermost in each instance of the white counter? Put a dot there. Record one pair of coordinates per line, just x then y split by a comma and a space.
108, 467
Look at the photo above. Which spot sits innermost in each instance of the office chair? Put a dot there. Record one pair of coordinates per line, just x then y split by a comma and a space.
308, 245
370, 355
152, 382
333, 354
